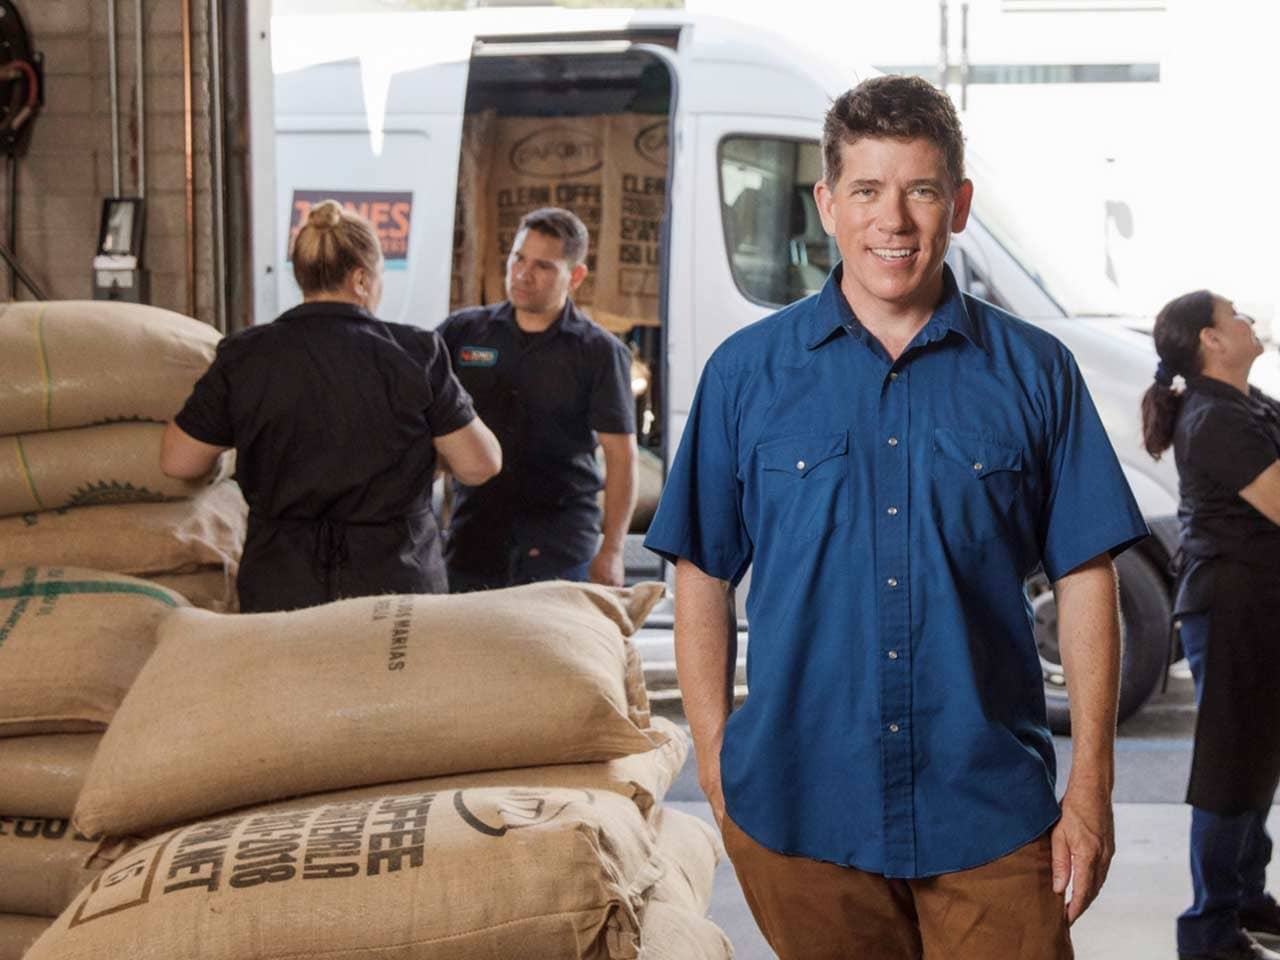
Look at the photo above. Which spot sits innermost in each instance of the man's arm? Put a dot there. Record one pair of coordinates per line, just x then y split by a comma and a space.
619, 504
1089, 638
706, 656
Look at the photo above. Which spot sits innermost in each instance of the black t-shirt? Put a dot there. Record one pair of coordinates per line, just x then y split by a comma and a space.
1222, 442
545, 396
331, 412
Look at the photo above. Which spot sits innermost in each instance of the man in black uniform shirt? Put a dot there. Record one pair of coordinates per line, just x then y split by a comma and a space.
550, 383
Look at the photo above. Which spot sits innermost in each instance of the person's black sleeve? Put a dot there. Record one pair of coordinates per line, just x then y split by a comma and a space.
613, 408
450, 408
206, 416
1229, 446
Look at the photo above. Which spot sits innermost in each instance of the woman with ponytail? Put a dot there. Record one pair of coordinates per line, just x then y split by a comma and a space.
339, 421
1226, 443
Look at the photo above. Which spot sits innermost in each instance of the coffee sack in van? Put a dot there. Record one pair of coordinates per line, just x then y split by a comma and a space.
543, 162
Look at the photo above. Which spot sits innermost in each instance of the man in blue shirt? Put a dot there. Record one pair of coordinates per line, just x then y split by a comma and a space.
892, 459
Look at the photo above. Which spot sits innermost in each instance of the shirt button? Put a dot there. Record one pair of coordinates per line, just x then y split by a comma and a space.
893, 441
894, 375
799, 464
892, 511
893, 728
893, 654
977, 466
892, 581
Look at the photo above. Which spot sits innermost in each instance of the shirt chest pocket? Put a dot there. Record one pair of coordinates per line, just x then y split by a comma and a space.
804, 483
976, 484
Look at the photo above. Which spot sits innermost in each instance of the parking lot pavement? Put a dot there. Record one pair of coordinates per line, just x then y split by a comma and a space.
1133, 919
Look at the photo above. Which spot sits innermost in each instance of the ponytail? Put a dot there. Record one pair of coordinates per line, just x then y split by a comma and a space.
1177, 339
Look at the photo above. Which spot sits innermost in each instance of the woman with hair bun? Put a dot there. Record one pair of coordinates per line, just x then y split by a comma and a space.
1226, 443
339, 421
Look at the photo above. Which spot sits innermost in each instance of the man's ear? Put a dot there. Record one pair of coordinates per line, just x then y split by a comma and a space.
576, 276
824, 196
963, 201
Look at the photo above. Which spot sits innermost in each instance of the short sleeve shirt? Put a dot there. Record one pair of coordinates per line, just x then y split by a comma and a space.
890, 513
331, 412
546, 396
1223, 440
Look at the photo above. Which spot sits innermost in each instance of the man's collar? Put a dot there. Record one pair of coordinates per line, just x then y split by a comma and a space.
569, 316
832, 312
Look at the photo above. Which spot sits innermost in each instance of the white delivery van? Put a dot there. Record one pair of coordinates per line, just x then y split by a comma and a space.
371, 109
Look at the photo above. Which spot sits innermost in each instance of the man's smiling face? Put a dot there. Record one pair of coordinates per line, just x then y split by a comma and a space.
892, 213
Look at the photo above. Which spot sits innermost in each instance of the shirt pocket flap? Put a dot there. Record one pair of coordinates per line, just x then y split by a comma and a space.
980, 455
798, 455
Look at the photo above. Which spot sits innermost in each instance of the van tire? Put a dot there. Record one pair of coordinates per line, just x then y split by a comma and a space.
1144, 629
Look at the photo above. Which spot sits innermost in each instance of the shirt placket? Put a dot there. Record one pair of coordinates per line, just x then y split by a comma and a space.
894, 623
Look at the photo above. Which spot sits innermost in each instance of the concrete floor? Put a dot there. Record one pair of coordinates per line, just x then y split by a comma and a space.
1149, 885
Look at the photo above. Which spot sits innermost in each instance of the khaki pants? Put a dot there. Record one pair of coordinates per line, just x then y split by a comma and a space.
810, 910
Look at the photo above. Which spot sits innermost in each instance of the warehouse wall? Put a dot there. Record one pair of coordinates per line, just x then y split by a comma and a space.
67, 170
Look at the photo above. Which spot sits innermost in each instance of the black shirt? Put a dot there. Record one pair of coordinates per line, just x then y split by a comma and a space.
545, 395
1223, 440
332, 414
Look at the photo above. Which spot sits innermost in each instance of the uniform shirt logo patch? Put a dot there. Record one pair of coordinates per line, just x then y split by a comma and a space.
477, 357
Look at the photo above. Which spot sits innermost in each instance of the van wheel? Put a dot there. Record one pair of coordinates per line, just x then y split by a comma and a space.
1144, 630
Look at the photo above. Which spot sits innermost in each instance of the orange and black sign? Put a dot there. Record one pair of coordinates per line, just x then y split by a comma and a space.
388, 212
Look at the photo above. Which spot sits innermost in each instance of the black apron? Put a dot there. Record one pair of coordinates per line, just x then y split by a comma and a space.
291, 564
1236, 764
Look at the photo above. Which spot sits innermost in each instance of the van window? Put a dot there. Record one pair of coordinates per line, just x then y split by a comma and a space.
777, 248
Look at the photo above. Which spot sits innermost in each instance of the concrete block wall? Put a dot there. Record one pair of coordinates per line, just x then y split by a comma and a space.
65, 174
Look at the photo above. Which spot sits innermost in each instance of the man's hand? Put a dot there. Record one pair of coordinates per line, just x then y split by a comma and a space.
1083, 843
1089, 638
607, 567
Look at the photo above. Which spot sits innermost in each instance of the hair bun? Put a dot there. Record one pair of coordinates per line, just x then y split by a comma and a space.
325, 215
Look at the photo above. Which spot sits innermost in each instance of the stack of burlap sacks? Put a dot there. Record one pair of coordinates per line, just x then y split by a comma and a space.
85, 388
306, 783
71, 643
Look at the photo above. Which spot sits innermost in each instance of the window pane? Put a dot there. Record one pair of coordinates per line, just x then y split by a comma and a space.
777, 248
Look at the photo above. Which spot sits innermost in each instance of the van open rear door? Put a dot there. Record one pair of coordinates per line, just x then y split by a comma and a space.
374, 121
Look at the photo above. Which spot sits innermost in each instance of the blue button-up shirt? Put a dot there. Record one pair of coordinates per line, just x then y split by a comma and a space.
890, 512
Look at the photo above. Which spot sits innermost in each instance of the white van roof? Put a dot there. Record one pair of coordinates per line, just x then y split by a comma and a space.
724, 66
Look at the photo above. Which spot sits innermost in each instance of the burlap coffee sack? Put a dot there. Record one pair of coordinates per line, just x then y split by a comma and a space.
643, 778
363, 691
470, 218
456, 875
18, 933
134, 538
44, 863
116, 463
42, 775
669, 933
71, 642
629, 262
209, 588
76, 363
691, 849
541, 162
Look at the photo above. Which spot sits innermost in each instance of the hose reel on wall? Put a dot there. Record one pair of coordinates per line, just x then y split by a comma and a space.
21, 97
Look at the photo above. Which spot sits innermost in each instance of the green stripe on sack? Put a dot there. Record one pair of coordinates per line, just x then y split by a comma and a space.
26, 471
44, 369
59, 588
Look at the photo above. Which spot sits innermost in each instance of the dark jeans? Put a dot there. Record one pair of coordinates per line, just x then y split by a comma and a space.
1229, 854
